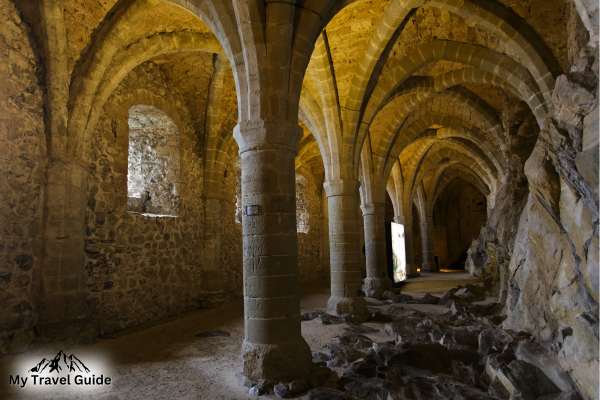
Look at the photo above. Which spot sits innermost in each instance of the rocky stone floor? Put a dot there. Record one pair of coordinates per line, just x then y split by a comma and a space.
453, 348
412, 345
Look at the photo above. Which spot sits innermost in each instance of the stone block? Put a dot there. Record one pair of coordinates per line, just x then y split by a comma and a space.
272, 307
286, 361
271, 286
271, 331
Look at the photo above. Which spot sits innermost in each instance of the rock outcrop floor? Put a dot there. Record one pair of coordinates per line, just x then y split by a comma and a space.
453, 348
445, 345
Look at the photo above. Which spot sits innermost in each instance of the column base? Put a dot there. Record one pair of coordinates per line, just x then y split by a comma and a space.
65, 318
279, 362
347, 305
428, 267
374, 287
411, 271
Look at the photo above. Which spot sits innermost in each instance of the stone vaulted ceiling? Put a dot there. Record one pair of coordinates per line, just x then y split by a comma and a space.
436, 95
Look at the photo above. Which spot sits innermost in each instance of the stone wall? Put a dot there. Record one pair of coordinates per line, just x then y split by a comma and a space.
22, 158
465, 216
544, 266
554, 264
231, 256
440, 245
417, 244
308, 220
142, 268
153, 162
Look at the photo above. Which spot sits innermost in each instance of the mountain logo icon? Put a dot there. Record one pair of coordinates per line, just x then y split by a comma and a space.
71, 363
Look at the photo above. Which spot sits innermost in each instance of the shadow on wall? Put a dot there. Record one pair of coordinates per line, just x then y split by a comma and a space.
458, 217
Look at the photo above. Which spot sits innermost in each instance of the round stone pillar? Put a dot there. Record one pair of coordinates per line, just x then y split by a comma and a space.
344, 248
411, 267
377, 280
273, 346
428, 264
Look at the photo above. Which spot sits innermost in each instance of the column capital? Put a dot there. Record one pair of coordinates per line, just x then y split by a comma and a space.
261, 134
404, 220
341, 187
428, 221
373, 209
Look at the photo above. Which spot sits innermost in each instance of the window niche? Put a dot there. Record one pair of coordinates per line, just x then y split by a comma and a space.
153, 163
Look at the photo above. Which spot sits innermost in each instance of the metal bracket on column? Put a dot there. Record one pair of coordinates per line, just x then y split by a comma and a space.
252, 210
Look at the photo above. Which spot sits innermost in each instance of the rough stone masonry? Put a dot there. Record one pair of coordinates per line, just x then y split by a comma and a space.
137, 134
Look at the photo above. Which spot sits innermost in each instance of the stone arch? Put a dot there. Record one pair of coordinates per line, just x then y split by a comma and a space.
144, 96
420, 200
389, 143
419, 94
454, 127
127, 60
400, 145
463, 155
490, 152
331, 107
494, 16
221, 19
245, 46
429, 138
91, 67
451, 173
369, 189
217, 150
444, 155
475, 56
395, 188
307, 154
57, 75
391, 192
456, 77
312, 117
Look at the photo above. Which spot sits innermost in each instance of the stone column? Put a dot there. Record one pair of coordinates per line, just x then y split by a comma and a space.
214, 279
344, 245
324, 235
427, 246
62, 308
273, 347
377, 280
411, 267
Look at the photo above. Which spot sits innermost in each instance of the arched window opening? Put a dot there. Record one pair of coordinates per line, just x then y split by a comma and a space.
153, 163
302, 204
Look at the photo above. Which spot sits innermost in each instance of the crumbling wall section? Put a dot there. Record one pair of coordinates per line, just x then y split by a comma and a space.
22, 152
